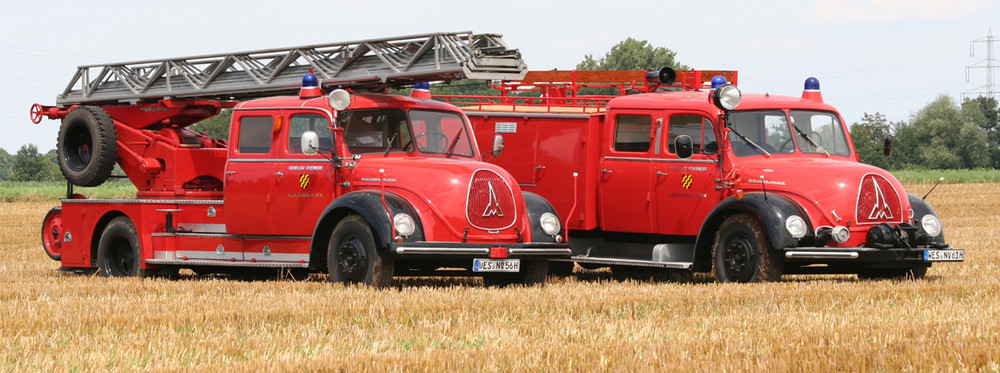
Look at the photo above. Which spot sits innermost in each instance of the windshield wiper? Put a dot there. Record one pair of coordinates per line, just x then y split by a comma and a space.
805, 136
755, 146
451, 147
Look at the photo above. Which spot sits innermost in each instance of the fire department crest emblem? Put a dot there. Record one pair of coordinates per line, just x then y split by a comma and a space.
304, 181
686, 181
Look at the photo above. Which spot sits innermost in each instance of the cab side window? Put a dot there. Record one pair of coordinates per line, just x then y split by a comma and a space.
633, 133
300, 123
698, 128
255, 135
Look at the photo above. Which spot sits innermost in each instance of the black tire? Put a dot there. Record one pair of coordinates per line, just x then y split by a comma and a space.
914, 273
87, 146
740, 252
533, 272
119, 252
353, 258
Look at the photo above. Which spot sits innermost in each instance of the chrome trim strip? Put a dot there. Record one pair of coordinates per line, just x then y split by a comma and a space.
632, 262
530, 251
279, 160
641, 159
444, 250
227, 263
821, 254
151, 201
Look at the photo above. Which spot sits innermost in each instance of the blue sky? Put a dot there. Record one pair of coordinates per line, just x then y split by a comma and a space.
888, 56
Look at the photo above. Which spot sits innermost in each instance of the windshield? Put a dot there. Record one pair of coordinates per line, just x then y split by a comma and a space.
389, 131
772, 132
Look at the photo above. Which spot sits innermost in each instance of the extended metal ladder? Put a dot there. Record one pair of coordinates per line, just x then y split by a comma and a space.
375, 63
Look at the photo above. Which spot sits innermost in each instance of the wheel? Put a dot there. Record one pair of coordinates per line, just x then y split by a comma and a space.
119, 253
352, 257
52, 233
87, 146
533, 272
915, 273
740, 252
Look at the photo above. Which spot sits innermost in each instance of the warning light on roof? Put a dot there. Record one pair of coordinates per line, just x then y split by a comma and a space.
811, 90
717, 81
421, 90
310, 86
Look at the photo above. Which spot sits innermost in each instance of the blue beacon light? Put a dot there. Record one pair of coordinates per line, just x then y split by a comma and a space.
717, 81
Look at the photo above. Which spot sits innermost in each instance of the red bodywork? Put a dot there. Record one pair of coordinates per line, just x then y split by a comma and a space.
633, 192
260, 201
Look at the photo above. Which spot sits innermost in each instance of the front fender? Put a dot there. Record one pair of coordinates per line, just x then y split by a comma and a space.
368, 204
921, 208
536, 206
769, 210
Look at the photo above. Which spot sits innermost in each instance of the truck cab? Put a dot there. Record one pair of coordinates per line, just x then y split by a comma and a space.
706, 179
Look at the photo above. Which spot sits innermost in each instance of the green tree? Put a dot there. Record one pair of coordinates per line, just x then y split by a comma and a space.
5, 162
868, 136
990, 122
631, 54
216, 127
950, 136
29, 165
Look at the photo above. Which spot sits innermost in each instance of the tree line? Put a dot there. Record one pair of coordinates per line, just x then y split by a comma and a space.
942, 135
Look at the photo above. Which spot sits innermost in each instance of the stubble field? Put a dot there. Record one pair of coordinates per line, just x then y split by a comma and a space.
56, 321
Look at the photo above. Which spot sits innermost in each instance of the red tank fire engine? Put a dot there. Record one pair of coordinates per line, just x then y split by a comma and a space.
690, 175
362, 186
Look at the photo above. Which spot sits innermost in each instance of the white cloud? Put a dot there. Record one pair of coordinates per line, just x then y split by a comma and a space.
888, 11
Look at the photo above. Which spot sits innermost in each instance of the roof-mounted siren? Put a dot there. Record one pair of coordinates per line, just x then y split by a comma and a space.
811, 91
310, 86
665, 76
421, 90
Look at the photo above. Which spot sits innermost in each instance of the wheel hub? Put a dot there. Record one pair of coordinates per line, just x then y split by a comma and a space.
351, 261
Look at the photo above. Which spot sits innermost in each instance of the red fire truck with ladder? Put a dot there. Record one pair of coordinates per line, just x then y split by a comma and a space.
689, 175
363, 186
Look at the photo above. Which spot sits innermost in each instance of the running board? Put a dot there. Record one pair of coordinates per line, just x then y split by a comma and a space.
214, 263
628, 262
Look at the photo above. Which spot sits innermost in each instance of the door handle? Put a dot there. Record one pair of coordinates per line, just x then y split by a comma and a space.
658, 173
607, 171
230, 172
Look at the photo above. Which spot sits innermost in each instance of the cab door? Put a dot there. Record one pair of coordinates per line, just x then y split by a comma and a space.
249, 171
625, 176
303, 183
685, 188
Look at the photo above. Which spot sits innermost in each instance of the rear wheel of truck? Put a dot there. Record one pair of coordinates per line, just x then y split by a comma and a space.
352, 257
119, 253
87, 146
533, 272
52, 233
740, 252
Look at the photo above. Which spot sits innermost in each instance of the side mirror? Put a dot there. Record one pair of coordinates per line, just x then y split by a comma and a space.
887, 145
684, 146
497, 145
310, 143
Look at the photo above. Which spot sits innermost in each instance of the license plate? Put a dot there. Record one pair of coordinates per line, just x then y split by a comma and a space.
496, 265
944, 255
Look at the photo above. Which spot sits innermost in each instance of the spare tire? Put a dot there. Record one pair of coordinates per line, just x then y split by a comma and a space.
87, 146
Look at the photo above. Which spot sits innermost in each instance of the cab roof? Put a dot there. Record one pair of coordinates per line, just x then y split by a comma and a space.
698, 100
358, 101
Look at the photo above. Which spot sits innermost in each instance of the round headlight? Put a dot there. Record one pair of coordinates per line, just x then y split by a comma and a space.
550, 224
726, 97
404, 224
795, 226
931, 224
340, 99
